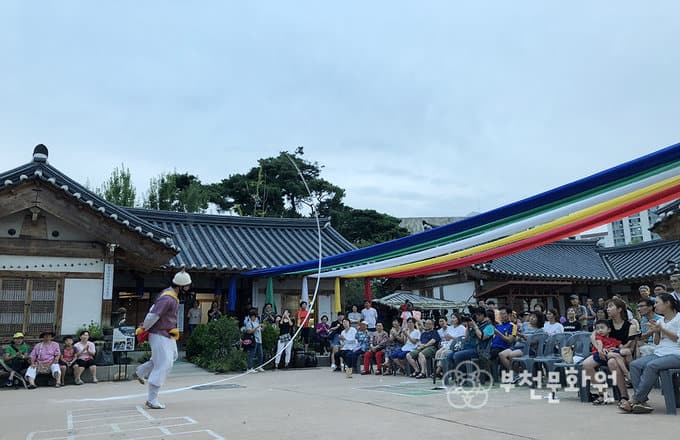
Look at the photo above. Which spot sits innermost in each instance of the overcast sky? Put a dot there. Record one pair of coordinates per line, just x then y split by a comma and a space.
415, 108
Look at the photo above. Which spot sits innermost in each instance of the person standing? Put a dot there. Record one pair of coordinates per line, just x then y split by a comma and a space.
370, 316
253, 326
194, 316
302, 318
161, 322
214, 313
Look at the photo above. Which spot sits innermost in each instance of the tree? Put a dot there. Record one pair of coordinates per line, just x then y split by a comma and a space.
364, 227
118, 189
274, 188
177, 192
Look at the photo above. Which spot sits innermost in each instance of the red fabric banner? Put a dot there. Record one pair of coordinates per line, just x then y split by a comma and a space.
367, 289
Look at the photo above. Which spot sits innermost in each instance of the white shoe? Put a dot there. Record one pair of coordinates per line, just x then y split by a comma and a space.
332, 366
252, 370
155, 405
260, 369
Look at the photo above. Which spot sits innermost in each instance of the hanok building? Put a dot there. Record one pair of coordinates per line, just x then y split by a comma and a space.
68, 257
549, 274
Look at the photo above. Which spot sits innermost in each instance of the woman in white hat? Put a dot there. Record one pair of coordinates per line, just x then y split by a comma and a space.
161, 322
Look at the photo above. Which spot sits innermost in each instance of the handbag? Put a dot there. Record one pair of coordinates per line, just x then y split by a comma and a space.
247, 341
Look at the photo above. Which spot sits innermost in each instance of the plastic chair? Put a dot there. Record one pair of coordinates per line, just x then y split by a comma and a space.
581, 343
526, 360
670, 390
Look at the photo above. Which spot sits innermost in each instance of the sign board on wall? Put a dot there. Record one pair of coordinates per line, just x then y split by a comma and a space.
123, 339
107, 293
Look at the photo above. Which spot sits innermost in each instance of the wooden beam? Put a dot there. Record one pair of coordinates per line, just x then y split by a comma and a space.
43, 274
51, 248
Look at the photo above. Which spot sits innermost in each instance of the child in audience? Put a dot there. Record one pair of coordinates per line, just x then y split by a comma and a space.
68, 357
606, 348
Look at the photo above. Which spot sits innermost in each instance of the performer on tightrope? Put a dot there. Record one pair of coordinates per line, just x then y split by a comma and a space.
161, 323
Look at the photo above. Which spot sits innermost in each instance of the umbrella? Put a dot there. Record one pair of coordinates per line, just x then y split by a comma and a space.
232, 295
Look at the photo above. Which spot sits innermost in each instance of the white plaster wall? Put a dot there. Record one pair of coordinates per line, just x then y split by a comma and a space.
82, 303
324, 304
459, 292
51, 264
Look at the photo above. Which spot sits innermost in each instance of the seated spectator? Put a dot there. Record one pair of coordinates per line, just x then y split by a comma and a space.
349, 346
334, 338
44, 360
504, 333
363, 339
605, 348
646, 293
601, 314
534, 326
572, 324
551, 325
645, 370
376, 349
394, 343
624, 331
448, 334
646, 340
85, 352
411, 337
479, 334
68, 357
16, 357
425, 349
321, 330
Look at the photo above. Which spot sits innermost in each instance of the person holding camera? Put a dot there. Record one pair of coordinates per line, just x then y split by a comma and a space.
254, 327
411, 337
479, 334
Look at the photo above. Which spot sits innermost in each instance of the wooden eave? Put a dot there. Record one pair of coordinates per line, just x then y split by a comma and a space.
139, 250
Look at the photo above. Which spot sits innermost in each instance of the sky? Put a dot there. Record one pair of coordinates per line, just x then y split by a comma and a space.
416, 109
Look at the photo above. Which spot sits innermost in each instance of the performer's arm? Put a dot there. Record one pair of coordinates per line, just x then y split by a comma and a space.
150, 320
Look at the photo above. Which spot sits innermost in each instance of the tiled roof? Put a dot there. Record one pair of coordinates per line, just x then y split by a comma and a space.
398, 298
584, 260
642, 260
669, 208
41, 170
218, 242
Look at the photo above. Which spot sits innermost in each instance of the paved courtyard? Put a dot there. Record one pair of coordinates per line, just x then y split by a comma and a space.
308, 404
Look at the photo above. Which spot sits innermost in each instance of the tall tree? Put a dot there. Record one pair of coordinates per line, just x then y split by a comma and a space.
364, 227
118, 189
177, 192
274, 188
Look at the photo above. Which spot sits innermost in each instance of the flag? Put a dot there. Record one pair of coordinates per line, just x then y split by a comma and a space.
338, 304
269, 294
232, 295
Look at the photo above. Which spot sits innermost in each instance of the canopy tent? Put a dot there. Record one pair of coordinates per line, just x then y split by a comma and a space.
396, 299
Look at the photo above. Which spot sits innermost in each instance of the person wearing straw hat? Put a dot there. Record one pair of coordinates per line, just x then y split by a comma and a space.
45, 359
161, 322
16, 357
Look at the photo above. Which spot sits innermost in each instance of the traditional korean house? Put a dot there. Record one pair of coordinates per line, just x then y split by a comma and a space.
68, 257
551, 273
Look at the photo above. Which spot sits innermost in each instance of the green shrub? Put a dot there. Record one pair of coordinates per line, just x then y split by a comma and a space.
93, 328
215, 346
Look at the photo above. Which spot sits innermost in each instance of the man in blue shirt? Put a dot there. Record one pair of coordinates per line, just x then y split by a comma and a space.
504, 333
429, 342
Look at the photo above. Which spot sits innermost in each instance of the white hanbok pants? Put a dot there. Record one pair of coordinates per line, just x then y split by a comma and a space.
163, 355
